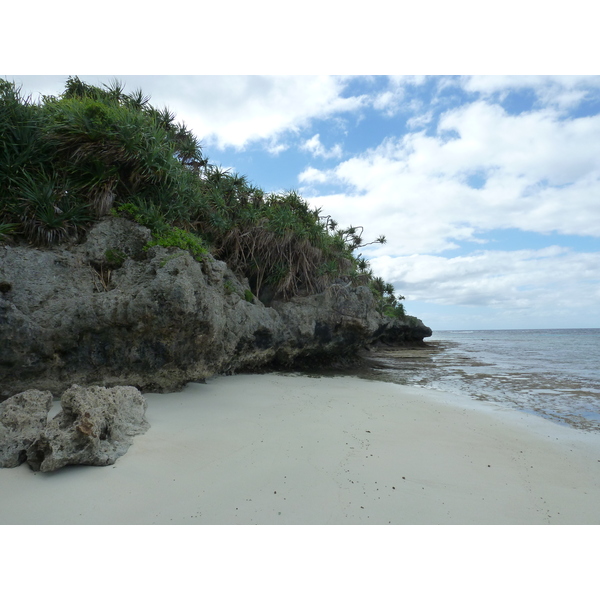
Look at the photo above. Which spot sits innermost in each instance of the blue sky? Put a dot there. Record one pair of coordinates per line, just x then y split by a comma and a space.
487, 188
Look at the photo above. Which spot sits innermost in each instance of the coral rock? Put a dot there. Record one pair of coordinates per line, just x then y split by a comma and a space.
96, 427
22, 419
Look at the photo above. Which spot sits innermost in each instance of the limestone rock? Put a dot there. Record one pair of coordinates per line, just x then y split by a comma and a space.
113, 240
96, 427
22, 419
107, 312
336, 322
399, 332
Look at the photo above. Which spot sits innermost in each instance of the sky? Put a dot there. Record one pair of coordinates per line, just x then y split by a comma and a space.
487, 188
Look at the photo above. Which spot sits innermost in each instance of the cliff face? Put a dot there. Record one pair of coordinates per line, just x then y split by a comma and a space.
106, 312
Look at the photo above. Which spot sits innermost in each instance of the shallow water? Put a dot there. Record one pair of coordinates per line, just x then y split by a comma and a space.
551, 372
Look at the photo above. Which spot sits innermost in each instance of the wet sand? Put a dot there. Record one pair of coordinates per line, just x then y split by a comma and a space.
291, 449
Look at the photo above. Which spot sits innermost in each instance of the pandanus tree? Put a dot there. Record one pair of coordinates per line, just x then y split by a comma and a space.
67, 161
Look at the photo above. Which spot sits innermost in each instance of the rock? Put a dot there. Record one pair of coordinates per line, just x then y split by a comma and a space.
96, 427
402, 332
22, 419
113, 240
106, 312
336, 322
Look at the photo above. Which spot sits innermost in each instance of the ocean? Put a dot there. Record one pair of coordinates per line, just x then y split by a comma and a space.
551, 372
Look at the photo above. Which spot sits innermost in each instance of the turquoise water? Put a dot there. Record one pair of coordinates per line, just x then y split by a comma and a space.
551, 372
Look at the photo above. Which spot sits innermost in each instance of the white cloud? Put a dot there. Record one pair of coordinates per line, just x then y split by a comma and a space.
485, 169
385, 101
536, 280
275, 148
312, 175
316, 148
234, 111
560, 91
419, 120
393, 98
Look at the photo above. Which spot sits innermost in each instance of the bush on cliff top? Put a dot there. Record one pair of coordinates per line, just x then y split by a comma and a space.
67, 161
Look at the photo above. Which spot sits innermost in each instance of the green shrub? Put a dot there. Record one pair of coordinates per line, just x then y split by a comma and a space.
396, 312
388, 303
173, 237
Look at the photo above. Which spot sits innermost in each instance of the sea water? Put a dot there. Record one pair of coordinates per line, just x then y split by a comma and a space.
552, 372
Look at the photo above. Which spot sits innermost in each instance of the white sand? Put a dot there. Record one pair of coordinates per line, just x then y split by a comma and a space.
287, 449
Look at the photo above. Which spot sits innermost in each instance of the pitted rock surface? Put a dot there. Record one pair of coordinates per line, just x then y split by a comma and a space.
108, 312
95, 427
23, 417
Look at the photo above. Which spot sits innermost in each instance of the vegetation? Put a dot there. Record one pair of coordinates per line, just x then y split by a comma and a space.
388, 303
173, 237
115, 258
67, 161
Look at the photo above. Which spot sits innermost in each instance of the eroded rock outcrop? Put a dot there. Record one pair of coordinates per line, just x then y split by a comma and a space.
409, 331
95, 427
107, 312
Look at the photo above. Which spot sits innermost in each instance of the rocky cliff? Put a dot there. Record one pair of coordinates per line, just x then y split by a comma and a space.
108, 312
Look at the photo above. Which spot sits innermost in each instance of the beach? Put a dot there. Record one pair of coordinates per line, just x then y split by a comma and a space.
284, 449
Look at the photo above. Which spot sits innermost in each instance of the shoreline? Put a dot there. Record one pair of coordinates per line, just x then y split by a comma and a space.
298, 449
562, 388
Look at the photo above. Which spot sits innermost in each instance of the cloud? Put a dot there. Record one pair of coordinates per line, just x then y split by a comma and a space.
316, 148
537, 280
420, 120
483, 169
387, 101
393, 98
273, 147
312, 175
236, 111
559, 91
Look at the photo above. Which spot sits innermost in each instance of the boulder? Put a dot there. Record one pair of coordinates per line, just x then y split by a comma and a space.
402, 332
95, 427
23, 417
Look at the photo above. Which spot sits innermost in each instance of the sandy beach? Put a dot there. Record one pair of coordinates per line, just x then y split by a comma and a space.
292, 449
